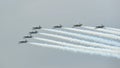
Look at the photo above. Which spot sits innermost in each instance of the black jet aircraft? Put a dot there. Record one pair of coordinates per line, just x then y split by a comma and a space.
102, 26
58, 26
30, 36
39, 27
33, 32
77, 25
25, 41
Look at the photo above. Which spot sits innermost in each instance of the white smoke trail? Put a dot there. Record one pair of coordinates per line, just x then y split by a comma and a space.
95, 39
109, 36
103, 30
80, 41
77, 46
113, 29
83, 50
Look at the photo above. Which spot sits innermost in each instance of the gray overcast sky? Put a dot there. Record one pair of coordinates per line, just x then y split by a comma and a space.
18, 16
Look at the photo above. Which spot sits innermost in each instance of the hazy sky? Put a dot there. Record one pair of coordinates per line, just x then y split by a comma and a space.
17, 17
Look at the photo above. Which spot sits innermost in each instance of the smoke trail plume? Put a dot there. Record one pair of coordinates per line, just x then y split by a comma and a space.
103, 30
113, 29
77, 46
109, 36
82, 50
88, 37
82, 42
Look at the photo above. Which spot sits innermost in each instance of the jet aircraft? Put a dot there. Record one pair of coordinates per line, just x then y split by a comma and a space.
39, 27
102, 26
58, 26
77, 25
33, 32
30, 36
25, 41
